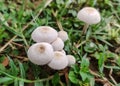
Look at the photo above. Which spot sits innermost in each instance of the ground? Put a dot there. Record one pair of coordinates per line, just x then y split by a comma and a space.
96, 65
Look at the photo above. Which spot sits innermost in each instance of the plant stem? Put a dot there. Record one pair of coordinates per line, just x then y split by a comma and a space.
29, 81
85, 28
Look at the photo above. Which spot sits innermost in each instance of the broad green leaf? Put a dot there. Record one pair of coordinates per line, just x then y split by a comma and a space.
73, 12
76, 68
73, 77
85, 64
96, 55
86, 76
90, 47
56, 79
101, 47
83, 75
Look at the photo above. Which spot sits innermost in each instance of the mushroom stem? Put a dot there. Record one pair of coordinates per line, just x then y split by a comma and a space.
85, 28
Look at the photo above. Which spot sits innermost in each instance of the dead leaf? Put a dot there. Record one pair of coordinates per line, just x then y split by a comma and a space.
5, 61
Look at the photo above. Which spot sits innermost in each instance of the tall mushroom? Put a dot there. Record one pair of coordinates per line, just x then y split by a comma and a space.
89, 15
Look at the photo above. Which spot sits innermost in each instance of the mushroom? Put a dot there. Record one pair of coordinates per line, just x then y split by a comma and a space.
63, 35
59, 61
40, 53
71, 60
63, 51
89, 15
58, 44
44, 34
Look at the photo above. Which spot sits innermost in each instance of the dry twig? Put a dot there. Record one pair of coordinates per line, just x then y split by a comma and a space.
110, 75
103, 80
58, 22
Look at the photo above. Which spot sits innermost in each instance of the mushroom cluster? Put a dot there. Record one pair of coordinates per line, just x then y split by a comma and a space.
48, 48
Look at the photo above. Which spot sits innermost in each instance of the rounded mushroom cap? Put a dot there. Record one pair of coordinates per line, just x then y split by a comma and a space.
63, 35
89, 15
59, 61
40, 53
58, 44
63, 51
71, 60
44, 34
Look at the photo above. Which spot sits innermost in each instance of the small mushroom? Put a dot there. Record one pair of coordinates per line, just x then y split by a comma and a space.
58, 44
63, 51
44, 34
63, 35
89, 15
40, 53
59, 61
71, 60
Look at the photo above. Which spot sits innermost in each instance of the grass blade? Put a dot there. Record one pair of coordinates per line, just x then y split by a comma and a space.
22, 74
13, 67
5, 80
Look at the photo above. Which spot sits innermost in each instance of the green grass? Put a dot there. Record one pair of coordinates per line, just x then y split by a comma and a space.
96, 66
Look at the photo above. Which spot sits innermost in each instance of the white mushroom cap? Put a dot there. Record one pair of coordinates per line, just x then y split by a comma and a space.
58, 44
71, 60
63, 51
63, 35
44, 34
89, 15
40, 53
59, 61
